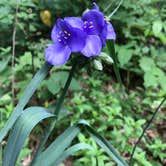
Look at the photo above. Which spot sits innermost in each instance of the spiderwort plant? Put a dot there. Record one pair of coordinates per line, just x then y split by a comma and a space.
87, 36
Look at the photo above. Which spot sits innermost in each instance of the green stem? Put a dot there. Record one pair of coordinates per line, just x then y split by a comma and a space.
115, 10
56, 112
144, 130
111, 49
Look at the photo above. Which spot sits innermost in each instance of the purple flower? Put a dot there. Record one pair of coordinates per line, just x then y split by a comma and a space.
66, 39
97, 29
86, 35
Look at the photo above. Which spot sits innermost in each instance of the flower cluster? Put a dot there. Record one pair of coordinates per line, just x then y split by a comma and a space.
86, 35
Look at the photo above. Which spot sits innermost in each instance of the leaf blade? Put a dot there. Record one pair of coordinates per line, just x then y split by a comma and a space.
72, 150
33, 85
54, 151
21, 130
111, 49
103, 143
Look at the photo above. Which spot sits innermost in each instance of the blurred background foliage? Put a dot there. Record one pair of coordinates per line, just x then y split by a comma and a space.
94, 95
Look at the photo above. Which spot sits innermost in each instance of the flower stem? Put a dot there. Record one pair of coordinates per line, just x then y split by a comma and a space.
56, 112
111, 49
144, 130
115, 10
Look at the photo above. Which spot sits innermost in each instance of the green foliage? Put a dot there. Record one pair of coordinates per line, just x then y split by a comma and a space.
141, 34
20, 131
140, 54
57, 81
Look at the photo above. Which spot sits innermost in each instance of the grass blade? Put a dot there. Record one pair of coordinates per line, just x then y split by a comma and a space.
55, 150
33, 85
104, 144
20, 131
70, 151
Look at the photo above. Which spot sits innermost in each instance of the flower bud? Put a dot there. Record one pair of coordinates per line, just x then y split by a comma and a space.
45, 16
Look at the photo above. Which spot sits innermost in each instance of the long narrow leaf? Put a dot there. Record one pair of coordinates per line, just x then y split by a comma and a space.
20, 131
104, 144
55, 150
33, 85
111, 49
57, 111
72, 150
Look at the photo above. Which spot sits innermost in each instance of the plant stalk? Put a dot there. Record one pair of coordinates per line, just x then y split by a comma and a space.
144, 130
56, 112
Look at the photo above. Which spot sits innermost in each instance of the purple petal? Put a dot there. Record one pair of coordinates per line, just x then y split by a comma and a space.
103, 34
95, 6
93, 46
57, 27
97, 18
74, 22
77, 40
57, 54
110, 32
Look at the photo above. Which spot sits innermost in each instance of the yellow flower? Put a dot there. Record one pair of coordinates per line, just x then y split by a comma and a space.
45, 16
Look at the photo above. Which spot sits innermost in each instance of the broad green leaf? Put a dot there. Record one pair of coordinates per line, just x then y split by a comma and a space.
147, 64
26, 59
57, 81
56, 149
124, 55
157, 27
104, 144
33, 85
20, 132
71, 151
161, 60
6, 98
155, 77
52, 86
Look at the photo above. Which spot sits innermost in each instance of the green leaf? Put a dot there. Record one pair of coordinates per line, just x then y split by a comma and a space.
124, 55
111, 49
56, 149
24, 153
0, 154
57, 81
71, 151
161, 60
33, 85
157, 27
56, 111
20, 131
52, 86
104, 144
26, 59
155, 77
3, 63
147, 64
